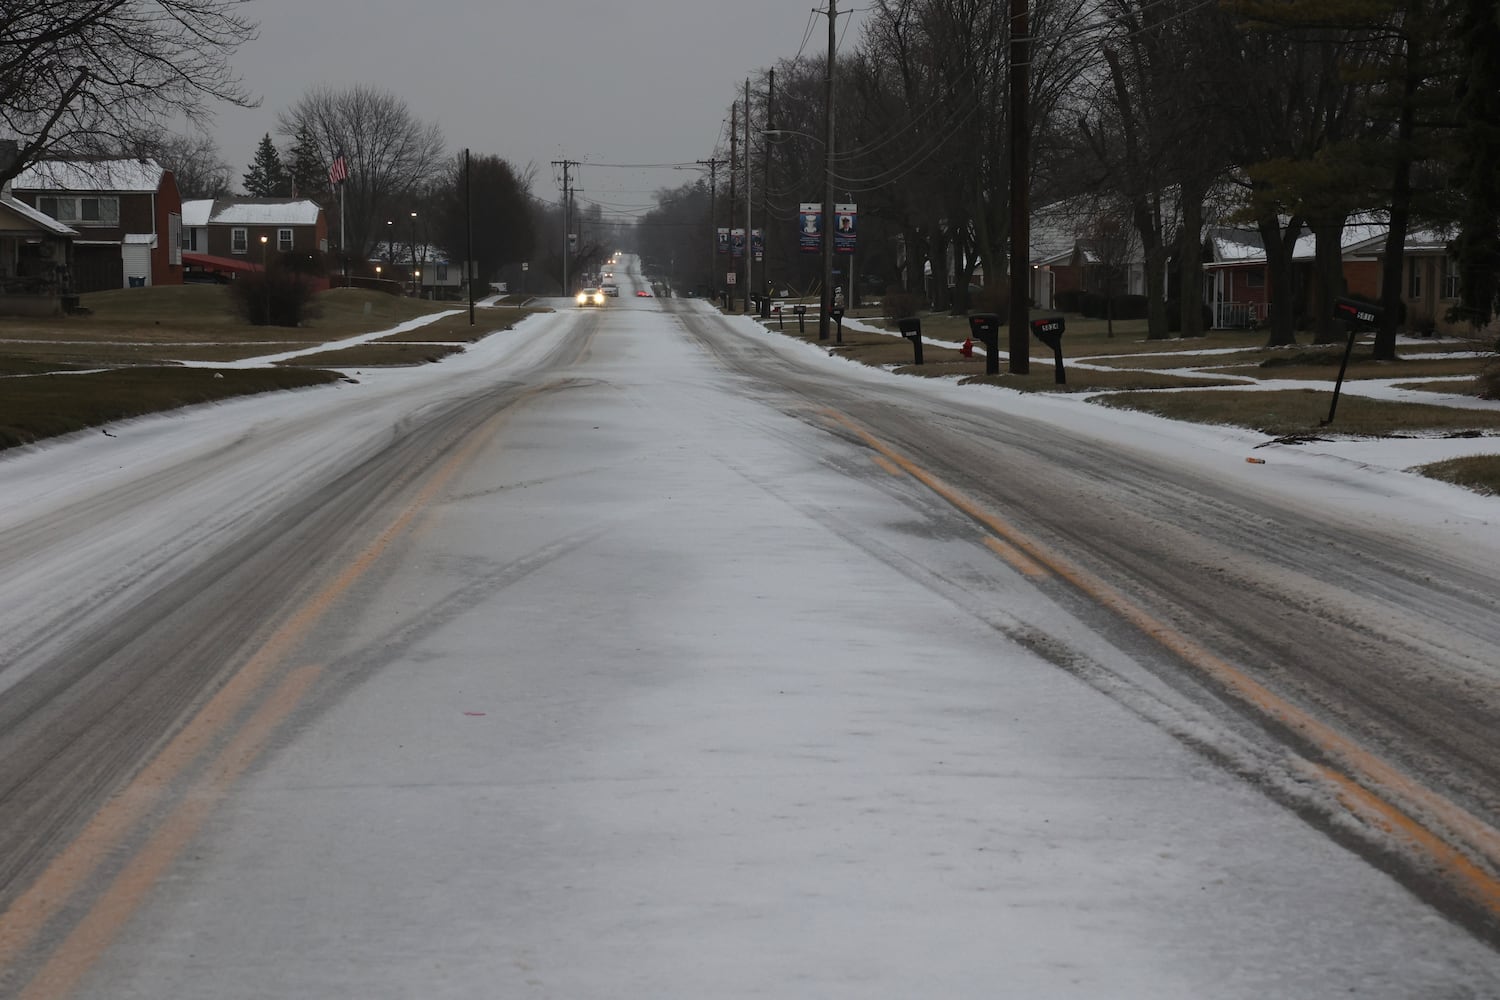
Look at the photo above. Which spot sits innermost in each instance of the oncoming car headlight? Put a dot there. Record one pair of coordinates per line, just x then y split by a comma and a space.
583, 299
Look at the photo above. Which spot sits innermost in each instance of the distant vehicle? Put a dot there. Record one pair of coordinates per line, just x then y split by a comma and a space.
641, 293
591, 297
610, 288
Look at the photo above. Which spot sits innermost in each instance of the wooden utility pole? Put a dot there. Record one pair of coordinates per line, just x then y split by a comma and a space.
734, 152
567, 165
826, 305
749, 201
1020, 183
765, 187
713, 166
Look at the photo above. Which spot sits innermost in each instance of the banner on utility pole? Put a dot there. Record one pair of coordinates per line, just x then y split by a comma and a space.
810, 226
758, 245
723, 237
737, 242
847, 223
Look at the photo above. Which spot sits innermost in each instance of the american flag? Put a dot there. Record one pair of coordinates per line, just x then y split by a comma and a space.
339, 172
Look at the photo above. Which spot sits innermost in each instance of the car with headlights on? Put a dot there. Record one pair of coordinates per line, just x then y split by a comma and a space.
591, 297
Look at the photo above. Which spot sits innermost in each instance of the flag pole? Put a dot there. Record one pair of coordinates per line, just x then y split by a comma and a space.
343, 247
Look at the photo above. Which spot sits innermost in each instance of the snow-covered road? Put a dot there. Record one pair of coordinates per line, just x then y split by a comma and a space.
653, 678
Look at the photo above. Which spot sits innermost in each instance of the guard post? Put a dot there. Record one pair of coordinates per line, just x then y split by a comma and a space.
1049, 331
911, 329
985, 328
1358, 316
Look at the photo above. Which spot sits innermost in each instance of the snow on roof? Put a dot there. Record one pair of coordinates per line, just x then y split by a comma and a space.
39, 219
196, 212
115, 176
266, 212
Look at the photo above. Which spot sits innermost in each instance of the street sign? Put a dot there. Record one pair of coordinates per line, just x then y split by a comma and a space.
730, 277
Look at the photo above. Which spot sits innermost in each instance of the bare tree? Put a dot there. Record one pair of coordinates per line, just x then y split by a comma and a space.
193, 159
76, 75
391, 156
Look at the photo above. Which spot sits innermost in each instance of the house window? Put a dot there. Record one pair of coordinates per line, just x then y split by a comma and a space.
1255, 277
89, 211
239, 240
1414, 279
1452, 284
284, 240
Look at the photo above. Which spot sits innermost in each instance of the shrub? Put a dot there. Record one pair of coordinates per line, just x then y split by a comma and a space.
1174, 317
277, 297
1070, 300
898, 303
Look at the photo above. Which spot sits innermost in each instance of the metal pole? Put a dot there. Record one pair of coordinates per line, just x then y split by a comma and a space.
827, 301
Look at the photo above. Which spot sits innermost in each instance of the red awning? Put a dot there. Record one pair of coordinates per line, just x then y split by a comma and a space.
226, 265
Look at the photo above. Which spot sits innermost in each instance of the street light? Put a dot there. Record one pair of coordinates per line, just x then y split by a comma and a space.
416, 287
265, 280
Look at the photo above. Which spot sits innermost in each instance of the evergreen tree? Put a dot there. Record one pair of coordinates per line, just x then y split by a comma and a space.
306, 172
267, 178
1479, 104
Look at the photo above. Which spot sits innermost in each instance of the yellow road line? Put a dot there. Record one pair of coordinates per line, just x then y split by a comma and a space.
110, 826
1018, 559
107, 917
889, 466
1369, 770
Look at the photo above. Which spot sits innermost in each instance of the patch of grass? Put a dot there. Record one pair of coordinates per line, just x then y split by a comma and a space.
33, 366
1480, 473
1465, 387
456, 329
1042, 378
375, 355
45, 406
350, 311
1300, 411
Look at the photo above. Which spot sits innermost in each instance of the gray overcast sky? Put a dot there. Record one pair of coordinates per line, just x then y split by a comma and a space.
641, 82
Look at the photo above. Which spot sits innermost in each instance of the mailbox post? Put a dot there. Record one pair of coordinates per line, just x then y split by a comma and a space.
837, 312
985, 328
1049, 331
1359, 316
911, 329
801, 311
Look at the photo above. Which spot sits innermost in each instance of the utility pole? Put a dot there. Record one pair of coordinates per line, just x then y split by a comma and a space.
1020, 183
734, 134
713, 237
826, 305
765, 187
749, 202
469, 238
567, 165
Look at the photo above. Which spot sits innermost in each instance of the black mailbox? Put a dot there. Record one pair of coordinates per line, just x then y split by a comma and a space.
1360, 314
801, 311
911, 329
1049, 331
985, 328
837, 314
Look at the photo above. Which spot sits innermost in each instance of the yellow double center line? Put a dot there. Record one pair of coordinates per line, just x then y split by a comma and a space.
113, 824
1367, 786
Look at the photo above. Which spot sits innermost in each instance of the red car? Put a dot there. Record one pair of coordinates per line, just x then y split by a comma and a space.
641, 293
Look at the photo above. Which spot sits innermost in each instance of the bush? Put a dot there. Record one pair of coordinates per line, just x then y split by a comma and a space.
1070, 300
274, 298
898, 303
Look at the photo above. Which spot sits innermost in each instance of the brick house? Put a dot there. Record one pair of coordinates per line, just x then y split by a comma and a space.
127, 215
231, 235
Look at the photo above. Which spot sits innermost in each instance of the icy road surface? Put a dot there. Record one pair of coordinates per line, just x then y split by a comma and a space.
637, 653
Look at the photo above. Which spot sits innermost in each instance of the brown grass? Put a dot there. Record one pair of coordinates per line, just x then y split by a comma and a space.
1301, 411
375, 355
1480, 473
44, 406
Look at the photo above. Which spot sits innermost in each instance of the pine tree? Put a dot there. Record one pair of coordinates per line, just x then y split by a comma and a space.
267, 178
305, 171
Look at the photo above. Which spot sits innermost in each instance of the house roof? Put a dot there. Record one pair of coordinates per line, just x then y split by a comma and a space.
112, 176
1232, 245
195, 212
41, 220
264, 212
1432, 239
